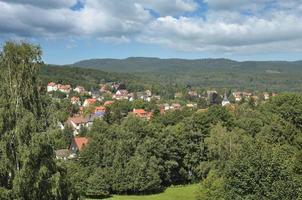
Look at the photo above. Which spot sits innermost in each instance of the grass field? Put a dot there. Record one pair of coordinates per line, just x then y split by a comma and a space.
172, 193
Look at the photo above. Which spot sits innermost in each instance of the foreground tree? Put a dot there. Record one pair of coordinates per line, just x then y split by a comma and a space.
28, 169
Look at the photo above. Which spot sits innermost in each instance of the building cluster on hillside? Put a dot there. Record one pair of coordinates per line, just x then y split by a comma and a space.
92, 105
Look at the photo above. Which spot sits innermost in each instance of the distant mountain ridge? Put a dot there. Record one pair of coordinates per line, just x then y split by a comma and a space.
207, 73
144, 64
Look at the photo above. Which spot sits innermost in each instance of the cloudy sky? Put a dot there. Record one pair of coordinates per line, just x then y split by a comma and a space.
71, 30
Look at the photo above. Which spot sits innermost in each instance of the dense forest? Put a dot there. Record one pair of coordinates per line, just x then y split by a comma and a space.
209, 73
88, 78
245, 151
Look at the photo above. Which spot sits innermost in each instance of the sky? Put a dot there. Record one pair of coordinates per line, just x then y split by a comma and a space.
73, 30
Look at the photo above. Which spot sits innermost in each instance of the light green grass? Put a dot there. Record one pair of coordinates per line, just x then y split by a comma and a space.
173, 193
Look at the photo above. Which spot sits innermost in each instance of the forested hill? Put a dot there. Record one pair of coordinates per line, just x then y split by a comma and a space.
89, 78
208, 73
141, 64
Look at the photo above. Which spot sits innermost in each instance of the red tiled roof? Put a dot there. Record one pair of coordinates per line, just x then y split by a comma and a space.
100, 109
80, 142
51, 84
142, 113
108, 103
74, 98
77, 120
64, 87
139, 111
91, 101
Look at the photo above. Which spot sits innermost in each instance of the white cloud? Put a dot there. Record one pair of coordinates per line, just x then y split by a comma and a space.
170, 7
227, 25
195, 34
44, 3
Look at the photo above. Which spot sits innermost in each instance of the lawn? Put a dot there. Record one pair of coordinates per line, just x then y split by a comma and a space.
172, 193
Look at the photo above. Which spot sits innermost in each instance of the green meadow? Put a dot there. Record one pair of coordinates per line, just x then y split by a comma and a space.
172, 193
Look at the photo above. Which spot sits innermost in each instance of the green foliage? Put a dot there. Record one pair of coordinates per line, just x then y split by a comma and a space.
287, 106
265, 163
28, 170
212, 188
261, 171
209, 73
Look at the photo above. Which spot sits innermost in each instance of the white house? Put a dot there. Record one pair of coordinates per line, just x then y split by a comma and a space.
79, 89
52, 87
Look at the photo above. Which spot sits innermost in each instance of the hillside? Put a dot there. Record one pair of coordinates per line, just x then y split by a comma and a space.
208, 73
89, 78
141, 64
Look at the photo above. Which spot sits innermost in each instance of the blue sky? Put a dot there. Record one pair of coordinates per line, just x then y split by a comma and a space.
72, 30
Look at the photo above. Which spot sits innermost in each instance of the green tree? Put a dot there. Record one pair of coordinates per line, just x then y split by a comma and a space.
29, 171
262, 171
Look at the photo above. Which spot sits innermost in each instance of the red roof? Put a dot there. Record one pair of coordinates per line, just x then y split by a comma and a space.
75, 98
51, 84
64, 87
142, 113
80, 142
100, 109
91, 101
139, 111
108, 103
77, 120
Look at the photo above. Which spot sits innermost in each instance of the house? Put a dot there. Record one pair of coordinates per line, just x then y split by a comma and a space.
89, 102
192, 105
166, 106
64, 88
52, 87
266, 96
148, 93
247, 95
77, 144
77, 123
144, 96
156, 97
132, 96
75, 100
104, 89
95, 94
141, 113
115, 86
175, 106
79, 89
100, 111
121, 95
90, 118
108, 103
192, 94
62, 154
237, 96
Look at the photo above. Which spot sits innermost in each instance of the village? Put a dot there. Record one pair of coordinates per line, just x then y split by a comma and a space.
93, 104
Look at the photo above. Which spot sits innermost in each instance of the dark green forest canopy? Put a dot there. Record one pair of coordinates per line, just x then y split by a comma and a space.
213, 73
89, 78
